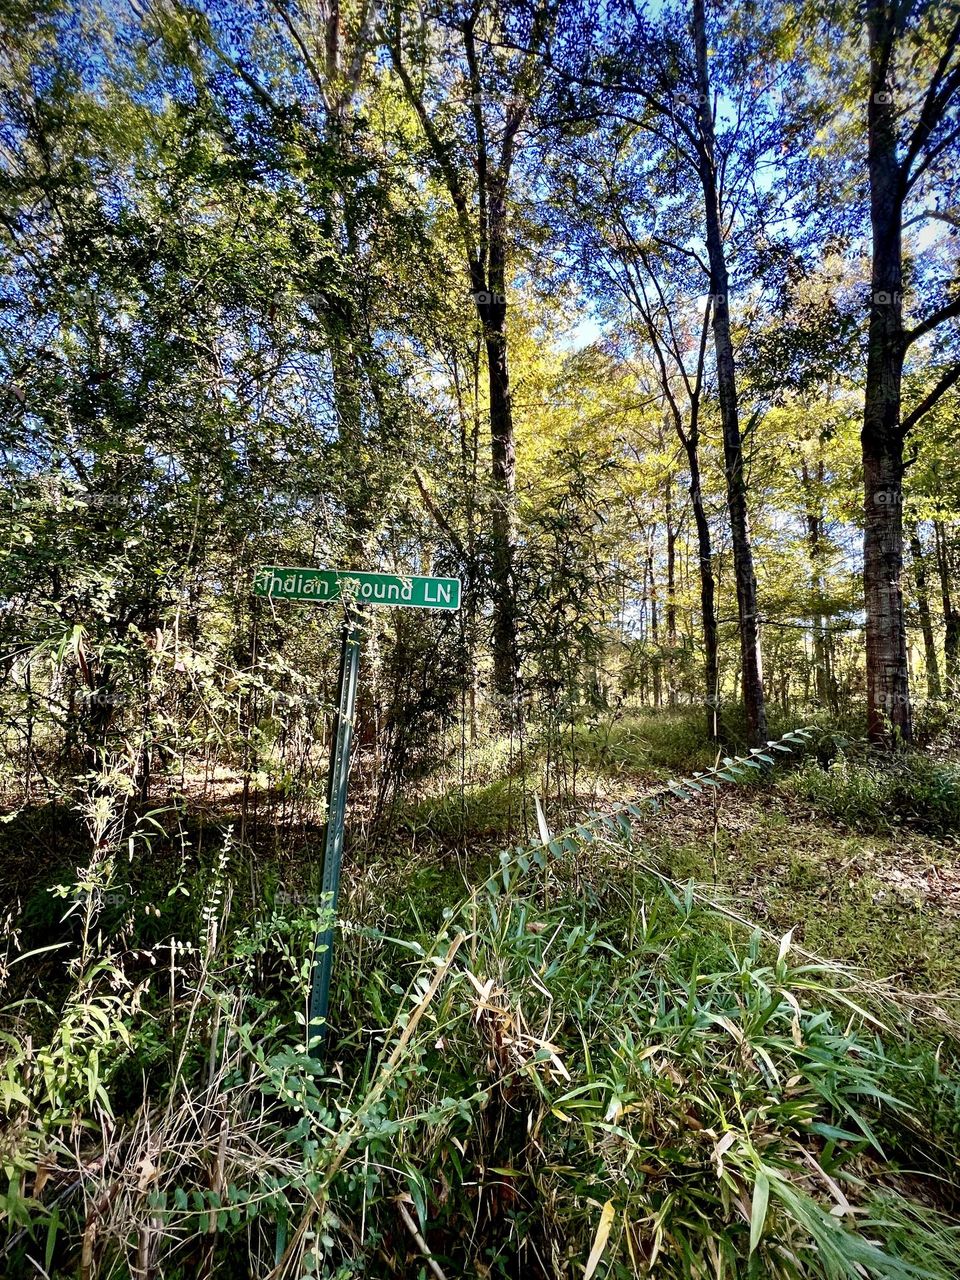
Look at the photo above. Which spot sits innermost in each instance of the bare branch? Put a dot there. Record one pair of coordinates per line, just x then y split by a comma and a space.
946, 312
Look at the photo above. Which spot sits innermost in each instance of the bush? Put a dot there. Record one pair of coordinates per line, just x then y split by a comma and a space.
936, 724
877, 795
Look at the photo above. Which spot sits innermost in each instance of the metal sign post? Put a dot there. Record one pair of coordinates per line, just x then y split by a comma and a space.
356, 589
336, 812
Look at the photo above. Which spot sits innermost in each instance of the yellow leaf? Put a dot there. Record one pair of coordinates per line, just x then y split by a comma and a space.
600, 1239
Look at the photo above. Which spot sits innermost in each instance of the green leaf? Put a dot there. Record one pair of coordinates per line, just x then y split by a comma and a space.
52, 1227
833, 1132
758, 1210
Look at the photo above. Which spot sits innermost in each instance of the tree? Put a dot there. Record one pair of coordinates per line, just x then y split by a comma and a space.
474, 150
913, 131
627, 222
709, 171
657, 72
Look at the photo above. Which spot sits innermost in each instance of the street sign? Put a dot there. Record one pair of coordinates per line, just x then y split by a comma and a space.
341, 743
356, 590
321, 585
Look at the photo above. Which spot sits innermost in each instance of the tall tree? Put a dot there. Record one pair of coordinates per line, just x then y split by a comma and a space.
288, 84
913, 132
948, 567
931, 662
653, 67
474, 150
710, 178
628, 225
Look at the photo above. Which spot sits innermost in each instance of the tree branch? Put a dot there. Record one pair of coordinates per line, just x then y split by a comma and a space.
943, 385
252, 83
941, 215
440, 154
946, 312
301, 44
936, 100
441, 520
473, 67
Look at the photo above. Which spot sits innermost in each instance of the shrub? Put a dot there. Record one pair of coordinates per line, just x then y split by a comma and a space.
877, 795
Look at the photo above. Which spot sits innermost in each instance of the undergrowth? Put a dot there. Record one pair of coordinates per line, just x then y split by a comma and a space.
586, 1070
908, 789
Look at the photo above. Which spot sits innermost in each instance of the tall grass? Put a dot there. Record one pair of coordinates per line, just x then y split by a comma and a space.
584, 1070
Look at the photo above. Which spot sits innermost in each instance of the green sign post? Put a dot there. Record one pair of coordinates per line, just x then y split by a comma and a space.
355, 590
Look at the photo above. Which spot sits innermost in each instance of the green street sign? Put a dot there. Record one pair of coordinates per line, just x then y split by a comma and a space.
319, 586
323, 585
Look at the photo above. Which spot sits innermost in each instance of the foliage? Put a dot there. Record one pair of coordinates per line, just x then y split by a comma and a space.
584, 1061
432, 291
879, 795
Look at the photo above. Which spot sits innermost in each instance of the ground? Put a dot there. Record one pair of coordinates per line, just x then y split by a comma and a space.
887, 900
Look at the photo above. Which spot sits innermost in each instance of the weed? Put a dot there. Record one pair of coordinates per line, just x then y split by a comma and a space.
877, 795
603, 1066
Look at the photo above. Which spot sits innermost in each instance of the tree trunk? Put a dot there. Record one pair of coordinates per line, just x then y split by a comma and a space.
711, 643
923, 608
888, 690
469, 467
671, 609
888, 680
751, 663
347, 402
821, 649
502, 517
503, 451
821, 662
951, 615
485, 248
654, 626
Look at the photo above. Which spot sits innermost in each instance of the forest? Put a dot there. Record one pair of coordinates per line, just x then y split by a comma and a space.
480, 639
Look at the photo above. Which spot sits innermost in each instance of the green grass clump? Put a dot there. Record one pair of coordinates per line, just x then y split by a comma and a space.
674, 739
879, 794
831, 887
480, 811
643, 740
